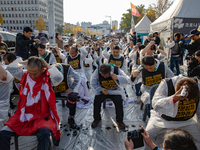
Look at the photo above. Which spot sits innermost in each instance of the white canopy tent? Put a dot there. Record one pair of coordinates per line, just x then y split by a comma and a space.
182, 16
143, 26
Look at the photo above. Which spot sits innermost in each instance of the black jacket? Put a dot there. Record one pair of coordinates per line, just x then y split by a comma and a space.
22, 47
192, 48
193, 71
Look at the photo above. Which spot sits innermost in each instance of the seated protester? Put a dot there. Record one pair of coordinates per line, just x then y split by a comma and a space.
66, 49
36, 111
99, 53
150, 49
171, 109
8, 58
75, 60
115, 58
151, 72
6, 83
194, 71
134, 55
129, 48
88, 65
45, 54
59, 56
94, 56
106, 83
174, 139
69, 84
101, 47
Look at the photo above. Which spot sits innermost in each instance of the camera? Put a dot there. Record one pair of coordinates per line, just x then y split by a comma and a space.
136, 137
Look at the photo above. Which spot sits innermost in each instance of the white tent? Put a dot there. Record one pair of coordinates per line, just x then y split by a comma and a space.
143, 26
182, 16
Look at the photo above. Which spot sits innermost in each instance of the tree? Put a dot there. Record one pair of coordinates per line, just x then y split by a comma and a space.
1, 19
114, 27
40, 24
76, 29
161, 6
88, 32
60, 29
67, 28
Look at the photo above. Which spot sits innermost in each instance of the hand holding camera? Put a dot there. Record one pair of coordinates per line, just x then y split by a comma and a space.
181, 94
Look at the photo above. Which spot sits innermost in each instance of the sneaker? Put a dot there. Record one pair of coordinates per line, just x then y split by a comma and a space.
95, 123
121, 125
72, 123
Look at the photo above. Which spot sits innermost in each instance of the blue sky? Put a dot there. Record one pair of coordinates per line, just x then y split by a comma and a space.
95, 10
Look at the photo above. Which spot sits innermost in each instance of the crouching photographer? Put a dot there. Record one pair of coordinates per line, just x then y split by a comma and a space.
193, 66
174, 139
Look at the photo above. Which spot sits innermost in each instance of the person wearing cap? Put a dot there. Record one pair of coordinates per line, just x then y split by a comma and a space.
69, 85
43, 40
107, 82
194, 46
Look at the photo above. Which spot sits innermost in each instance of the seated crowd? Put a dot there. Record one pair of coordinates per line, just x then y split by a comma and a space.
39, 73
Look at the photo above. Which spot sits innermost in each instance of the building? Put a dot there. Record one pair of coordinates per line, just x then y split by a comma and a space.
58, 11
103, 28
115, 22
17, 14
85, 25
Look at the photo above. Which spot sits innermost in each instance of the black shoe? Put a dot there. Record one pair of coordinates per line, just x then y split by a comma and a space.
72, 123
95, 123
121, 125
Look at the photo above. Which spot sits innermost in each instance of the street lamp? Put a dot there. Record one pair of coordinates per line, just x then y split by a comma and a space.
110, 22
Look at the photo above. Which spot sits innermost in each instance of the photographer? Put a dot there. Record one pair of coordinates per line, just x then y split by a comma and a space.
173, 139
194, 46
194, 71
175, 52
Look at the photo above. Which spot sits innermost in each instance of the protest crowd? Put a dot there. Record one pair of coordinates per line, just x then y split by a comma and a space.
41, 73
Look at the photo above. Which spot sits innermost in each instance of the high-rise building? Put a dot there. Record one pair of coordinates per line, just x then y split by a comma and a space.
115, 22
58, 11
20, 13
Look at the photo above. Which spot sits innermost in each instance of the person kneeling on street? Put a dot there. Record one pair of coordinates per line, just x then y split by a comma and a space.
107, 82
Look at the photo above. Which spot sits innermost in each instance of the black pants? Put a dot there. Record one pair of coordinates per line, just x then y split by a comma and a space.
72, 109
117, 100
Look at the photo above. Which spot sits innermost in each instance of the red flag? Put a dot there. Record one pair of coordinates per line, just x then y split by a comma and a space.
134, 11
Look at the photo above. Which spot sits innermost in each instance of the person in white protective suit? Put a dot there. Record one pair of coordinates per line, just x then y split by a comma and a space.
108, 82
75, 59
152, 72
6, 85
88, 64
98, 52
175, 105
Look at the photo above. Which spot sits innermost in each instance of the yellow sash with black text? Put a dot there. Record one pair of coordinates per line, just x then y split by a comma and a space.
108, 83
186, 108
118, 62
74, 62
153, 78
